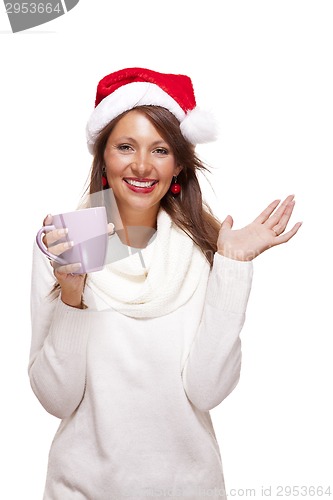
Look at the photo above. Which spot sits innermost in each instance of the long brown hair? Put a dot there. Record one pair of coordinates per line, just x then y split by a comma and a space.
188, 211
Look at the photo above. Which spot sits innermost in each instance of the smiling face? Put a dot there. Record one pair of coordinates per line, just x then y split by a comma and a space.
139, 166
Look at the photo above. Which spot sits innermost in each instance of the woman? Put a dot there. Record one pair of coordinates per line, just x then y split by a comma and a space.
133, 357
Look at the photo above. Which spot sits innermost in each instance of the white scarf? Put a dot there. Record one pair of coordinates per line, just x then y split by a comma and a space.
176, 267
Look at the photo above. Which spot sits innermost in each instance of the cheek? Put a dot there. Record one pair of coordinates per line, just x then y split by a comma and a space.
164, 183
114, 165
167, 171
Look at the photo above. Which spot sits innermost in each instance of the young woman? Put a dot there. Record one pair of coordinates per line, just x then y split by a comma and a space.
132, 358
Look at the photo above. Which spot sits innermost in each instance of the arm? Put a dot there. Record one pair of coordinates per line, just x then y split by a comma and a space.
57, 364
212, 369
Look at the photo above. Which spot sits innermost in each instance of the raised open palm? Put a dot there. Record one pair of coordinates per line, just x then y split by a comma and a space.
266, 231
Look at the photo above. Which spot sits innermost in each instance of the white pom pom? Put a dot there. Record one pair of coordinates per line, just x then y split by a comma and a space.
199, 126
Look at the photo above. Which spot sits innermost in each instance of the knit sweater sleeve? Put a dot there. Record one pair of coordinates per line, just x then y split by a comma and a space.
57, 364
212, 369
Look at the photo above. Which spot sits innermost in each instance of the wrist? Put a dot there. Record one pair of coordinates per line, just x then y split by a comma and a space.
239, 255
73, 301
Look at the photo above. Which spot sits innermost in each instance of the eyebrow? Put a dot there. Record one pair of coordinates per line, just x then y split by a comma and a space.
131, 139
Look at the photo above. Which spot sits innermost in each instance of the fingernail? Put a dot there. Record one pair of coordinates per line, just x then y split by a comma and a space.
62, 231
69, 244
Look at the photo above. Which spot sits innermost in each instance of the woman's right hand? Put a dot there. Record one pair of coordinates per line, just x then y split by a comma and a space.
71, 284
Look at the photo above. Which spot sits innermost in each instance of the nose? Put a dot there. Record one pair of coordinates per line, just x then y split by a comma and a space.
141, 165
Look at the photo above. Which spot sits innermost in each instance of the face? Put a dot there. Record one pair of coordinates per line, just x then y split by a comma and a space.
139, 167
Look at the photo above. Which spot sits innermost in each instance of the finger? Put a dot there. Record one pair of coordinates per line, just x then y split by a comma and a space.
285, 217
275, 218
227, 223
69, 269
111, 229
60, 248
52, 237
267, 212
48, 220
283, 238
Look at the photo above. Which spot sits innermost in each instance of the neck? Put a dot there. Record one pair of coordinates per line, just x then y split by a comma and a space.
124, 214
138, 227
142, 219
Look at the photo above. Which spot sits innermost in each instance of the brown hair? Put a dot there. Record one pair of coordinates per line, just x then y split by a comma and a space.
188, 211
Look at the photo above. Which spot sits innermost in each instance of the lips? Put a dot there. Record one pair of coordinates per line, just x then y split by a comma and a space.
140, 185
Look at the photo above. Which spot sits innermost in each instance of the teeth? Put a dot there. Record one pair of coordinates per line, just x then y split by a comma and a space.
140, 184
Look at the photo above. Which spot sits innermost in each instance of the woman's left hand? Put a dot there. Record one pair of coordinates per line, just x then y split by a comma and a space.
266, 231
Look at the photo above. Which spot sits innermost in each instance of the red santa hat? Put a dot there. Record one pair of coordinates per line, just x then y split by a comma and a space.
131, 87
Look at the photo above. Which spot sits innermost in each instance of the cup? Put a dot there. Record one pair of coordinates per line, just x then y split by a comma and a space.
88, 230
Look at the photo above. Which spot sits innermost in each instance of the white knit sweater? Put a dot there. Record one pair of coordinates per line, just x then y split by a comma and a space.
134, 393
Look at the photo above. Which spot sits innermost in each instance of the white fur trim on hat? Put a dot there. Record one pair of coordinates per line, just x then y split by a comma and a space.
125, 98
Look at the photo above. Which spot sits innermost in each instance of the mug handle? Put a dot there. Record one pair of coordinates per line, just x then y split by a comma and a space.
43, 248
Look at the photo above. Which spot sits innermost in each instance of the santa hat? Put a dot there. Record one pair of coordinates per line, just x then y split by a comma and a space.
131, 87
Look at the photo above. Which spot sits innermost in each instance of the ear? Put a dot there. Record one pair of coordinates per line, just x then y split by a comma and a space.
178, 169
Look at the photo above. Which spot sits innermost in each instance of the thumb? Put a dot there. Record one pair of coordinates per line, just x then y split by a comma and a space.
227, 223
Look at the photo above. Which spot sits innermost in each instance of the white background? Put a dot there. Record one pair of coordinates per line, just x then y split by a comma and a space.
265, 69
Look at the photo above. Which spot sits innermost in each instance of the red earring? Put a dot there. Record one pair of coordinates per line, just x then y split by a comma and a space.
175, 188
104, 179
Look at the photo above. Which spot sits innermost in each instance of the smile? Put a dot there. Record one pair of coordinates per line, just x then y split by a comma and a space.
140, 184
143, 186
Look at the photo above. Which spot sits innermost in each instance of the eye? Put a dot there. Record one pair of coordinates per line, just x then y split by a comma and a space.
161, 151
124, 147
